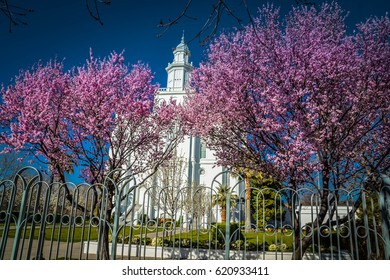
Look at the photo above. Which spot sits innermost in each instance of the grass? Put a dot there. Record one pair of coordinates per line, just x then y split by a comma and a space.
270, 238
66, 234
63, 234
195, 237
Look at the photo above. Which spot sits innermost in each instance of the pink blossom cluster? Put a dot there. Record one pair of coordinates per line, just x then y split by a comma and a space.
297, 96
100, 116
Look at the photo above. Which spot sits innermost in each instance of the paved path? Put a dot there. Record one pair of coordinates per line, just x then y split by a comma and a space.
60, 247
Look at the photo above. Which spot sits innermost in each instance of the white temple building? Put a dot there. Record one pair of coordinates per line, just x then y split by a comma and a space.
201, 167
200, 163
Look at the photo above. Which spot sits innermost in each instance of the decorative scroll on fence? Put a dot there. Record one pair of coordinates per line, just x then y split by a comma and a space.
39, 220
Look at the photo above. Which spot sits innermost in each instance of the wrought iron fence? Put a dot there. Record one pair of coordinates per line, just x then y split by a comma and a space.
66, 221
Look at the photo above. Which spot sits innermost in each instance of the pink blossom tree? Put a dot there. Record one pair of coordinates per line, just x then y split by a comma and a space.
298, 99
34, 115
117, 127
100, 117
115, 122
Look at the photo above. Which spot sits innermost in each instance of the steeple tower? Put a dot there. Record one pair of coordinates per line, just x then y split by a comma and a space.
178, 71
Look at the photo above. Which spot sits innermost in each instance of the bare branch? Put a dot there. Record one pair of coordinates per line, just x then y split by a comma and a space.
94, 11
170, 22
14, 13
213, 20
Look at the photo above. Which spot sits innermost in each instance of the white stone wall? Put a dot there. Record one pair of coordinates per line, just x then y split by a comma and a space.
199, 171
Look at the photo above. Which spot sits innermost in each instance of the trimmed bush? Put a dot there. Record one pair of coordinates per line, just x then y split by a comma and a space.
278, 247
138, 240
218, 232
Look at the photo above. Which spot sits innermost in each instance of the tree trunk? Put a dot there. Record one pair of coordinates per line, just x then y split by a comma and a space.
105, 239
223, 214
248, 221
302, 243
104, 224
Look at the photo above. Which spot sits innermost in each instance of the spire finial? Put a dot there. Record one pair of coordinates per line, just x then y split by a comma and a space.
182, 37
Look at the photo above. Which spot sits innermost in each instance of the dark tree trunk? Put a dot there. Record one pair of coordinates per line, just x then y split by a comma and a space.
105, 238
248, 219
105, 226
302, 243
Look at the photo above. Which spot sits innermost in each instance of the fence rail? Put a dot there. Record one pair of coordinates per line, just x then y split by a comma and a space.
66, 221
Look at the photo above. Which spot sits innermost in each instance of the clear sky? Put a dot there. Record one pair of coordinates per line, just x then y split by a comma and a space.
64, 29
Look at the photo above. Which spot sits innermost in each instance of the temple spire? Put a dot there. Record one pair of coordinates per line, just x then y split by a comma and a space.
178, 71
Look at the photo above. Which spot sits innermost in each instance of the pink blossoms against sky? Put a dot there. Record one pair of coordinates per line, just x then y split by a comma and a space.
100, 117
297, 97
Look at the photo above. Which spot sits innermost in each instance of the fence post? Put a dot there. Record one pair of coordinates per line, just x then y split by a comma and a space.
21, 220
115, 227
26, 186
384, 204
227, 231
8, 217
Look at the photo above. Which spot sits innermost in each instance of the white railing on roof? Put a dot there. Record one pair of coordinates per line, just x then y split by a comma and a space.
170, 89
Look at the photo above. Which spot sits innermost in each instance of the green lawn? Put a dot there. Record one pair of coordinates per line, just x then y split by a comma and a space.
66, 234
63, 234
252, 240
270, 238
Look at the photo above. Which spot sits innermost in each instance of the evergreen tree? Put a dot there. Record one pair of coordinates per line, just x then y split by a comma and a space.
220, 197
266, 203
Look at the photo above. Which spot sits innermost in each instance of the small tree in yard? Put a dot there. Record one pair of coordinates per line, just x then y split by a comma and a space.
297, 100
266, 202
197, 205
171, 183
220, 197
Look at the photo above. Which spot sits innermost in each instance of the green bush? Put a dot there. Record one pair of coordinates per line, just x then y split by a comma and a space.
278, 247
218, 232
185, 242
238, 245
248, 246
157, 241
138, 240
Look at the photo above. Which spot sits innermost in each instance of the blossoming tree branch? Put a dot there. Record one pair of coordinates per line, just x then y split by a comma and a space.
298, 99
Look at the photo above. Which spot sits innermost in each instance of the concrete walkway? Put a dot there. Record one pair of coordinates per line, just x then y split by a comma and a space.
63, 250
49, 250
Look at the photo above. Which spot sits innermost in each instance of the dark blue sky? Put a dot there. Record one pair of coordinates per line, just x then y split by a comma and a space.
64, 29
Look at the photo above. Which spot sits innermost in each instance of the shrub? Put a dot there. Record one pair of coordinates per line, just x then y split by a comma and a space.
138, 240
238, 245
249, 246
218, 232
185, 242
273, 247
278, 247
157, 241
